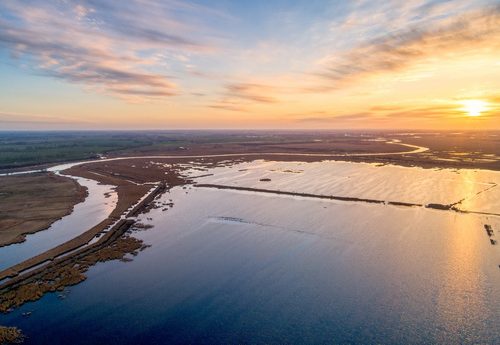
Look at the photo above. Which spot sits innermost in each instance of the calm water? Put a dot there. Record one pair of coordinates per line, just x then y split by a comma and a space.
246, 268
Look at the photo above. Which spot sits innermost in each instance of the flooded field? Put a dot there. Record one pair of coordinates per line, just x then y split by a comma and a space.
233, 266
474, 190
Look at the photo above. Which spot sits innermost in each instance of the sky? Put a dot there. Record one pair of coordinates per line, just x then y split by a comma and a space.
313, 64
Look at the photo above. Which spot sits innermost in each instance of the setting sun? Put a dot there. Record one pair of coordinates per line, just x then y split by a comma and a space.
474, 107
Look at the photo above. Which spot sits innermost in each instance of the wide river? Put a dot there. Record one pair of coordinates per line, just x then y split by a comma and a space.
241, 267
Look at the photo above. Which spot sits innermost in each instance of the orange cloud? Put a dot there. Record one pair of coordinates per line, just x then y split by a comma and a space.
399, 50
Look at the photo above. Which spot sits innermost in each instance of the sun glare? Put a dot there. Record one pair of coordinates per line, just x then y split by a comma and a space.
474, 107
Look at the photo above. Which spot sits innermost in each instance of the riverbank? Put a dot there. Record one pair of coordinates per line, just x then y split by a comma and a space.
31, 203
65, 264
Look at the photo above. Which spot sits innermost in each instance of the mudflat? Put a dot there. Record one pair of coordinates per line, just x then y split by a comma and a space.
30, 203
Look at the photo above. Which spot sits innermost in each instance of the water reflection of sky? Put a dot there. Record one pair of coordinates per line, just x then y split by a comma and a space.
390, 183
357, 273
233, 267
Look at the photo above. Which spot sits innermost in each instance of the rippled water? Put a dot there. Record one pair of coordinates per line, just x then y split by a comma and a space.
240, 267
479, 188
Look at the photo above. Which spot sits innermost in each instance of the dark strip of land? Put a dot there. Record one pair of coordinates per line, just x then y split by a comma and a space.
118, 230
147, 200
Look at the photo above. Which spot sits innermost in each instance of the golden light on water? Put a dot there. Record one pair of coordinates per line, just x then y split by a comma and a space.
474, 107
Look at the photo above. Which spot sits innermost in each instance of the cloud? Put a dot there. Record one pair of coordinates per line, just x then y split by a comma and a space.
238, 96
337, 118
10, 120
493, 99
370, 118
401, 49
258, 93
418, 113
266, 60
384, 108
228, 106
108, 46
397, 113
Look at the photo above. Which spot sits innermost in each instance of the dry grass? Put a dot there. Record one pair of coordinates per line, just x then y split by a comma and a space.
10, 335
30, 203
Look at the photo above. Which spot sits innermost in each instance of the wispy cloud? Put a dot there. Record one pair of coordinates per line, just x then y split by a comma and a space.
355, 62
12, 119
110, 46
252, 92
379, 39
401, 49
397, 113
228, 105
240, 96
336, 118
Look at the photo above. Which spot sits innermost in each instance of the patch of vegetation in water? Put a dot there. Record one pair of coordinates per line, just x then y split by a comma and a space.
71, 273
10, 335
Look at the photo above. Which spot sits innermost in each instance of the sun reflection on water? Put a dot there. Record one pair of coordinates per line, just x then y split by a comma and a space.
461, 303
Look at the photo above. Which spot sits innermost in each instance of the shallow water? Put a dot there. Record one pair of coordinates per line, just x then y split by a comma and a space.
364, 180
242, 267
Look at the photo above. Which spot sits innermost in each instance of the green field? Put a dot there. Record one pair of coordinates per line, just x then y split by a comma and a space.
23, 149
19, 149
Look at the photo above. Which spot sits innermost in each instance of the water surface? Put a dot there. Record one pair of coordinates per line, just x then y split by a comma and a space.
251, 268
